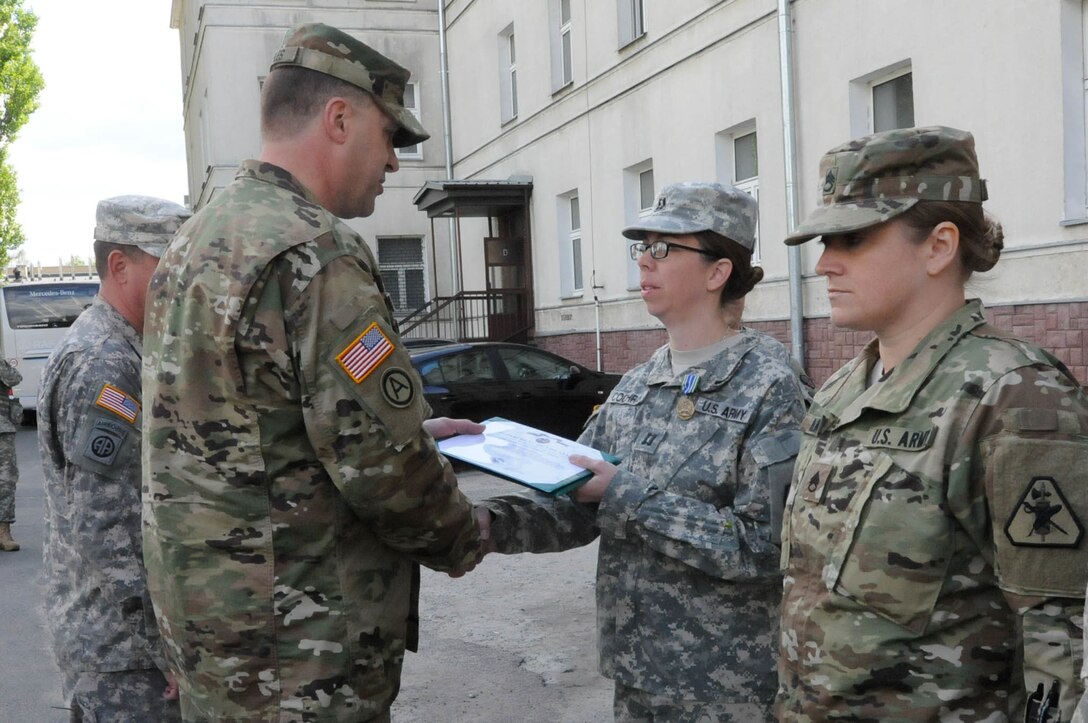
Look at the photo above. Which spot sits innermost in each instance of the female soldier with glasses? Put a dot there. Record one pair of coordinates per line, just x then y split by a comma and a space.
687, 576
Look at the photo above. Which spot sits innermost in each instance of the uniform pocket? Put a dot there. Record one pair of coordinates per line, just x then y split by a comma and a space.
891, 553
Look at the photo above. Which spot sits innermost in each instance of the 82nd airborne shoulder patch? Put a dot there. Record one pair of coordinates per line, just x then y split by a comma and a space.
365, 353
1043, 517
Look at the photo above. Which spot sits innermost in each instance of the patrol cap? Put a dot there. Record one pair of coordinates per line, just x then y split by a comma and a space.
142, 221
325, 49
877, 177
684, 208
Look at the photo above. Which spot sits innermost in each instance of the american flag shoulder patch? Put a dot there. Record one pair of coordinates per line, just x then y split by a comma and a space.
365, 353
118, 402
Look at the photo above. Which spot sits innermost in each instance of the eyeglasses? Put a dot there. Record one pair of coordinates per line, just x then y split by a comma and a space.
660, 249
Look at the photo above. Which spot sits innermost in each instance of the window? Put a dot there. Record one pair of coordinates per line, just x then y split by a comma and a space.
576, 243
746, 173
569, 237
400, 260
882, 100
893, 103
631, 23
1074, 54
411, 104
466, 367
508, 75
562, 60
638, 201
646, 191
532, 364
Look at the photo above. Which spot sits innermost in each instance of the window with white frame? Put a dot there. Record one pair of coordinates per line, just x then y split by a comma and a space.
1074, 55
576, 244
569, 225
400, 260
882, 99
508, 75
413, 152
638, 201
562, 59
893, 103
645, 191
631, 20
746, 173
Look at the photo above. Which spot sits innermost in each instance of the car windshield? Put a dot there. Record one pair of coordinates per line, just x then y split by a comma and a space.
467, 366
47, 306
531, 364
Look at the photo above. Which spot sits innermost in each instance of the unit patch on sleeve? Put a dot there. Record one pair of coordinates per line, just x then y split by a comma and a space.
1043, 517
365, 353
119, 403
104, 442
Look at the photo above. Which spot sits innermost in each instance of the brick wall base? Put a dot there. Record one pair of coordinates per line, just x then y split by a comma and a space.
1061, 328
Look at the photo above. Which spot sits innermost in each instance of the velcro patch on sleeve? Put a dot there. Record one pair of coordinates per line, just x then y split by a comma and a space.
114, 400
365, 353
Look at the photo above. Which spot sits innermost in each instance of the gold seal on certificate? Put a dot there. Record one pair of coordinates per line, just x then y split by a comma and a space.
685, 408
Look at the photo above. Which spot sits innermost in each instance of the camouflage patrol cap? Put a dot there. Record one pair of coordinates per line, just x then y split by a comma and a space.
684, 208
877, 177
325, 49
142, 221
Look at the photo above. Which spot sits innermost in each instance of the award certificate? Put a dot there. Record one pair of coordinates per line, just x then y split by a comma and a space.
521, 454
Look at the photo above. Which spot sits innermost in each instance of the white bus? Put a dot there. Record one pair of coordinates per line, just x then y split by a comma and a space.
34, 317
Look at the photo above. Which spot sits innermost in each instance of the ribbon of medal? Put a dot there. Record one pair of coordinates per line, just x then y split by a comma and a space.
685, 407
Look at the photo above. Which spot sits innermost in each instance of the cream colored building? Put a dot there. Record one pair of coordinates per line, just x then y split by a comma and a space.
603, 102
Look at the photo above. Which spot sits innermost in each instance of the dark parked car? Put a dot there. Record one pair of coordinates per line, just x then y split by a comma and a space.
513, 381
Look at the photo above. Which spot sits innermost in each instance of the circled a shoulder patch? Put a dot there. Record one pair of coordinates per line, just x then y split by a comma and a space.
365, 353
114, 400
1043, 517
397, 387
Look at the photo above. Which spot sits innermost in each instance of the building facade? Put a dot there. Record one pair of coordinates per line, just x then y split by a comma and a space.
226, 48
603, 102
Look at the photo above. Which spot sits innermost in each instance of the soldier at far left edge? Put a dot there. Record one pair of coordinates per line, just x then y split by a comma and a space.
105, 638
10, 413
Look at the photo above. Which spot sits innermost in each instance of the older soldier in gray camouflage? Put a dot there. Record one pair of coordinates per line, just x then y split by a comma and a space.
293, 484
934, 543
105, 639
707, 430
11, 413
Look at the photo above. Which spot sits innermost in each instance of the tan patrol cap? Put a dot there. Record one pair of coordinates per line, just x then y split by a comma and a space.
325, 49
875, 178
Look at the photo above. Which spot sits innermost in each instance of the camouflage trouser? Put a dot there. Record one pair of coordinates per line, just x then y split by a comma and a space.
129, 696
9, 473
632, 705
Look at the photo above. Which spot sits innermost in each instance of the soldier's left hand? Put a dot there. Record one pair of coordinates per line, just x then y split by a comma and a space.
603, 472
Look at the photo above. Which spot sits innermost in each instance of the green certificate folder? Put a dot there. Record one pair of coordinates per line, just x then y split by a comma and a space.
522, 454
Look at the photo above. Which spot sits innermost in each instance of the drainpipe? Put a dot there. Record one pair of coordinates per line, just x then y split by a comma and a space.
447, 138
789, 146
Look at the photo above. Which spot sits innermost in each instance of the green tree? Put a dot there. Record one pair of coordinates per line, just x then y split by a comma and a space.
20, 83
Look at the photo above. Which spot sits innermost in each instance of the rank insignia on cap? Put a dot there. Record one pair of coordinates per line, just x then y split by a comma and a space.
118, 402
365, 353
1043, 517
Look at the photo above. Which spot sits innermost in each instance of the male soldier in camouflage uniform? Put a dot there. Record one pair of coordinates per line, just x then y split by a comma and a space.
104, 635
687, 579
293, 484
934, 542
10, 413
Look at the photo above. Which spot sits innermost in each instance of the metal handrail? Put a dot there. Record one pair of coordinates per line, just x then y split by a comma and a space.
492, 315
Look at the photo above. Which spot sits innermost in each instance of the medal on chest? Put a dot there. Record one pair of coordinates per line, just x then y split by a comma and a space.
685, 406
